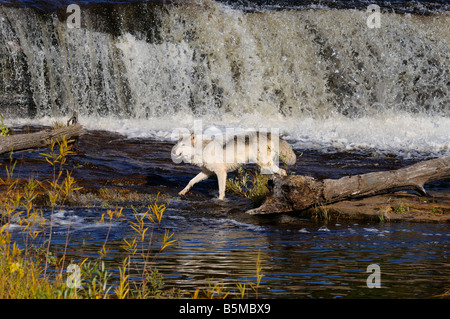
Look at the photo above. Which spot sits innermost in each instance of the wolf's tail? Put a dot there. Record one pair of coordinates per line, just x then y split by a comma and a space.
287, 155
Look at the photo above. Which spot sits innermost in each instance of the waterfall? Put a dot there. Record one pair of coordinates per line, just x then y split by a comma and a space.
313, 72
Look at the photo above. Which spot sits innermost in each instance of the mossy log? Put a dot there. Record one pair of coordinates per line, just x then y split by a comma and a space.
21, 142
297, 193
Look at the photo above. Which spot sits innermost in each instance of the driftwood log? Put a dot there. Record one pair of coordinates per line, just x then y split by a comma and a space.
20, 142
297, 193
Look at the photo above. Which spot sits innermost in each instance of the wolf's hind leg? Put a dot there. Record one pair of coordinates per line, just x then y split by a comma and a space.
281, 172
276, 170
198, 178
272, 168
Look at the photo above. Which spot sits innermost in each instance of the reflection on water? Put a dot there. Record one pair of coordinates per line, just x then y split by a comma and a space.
303, 260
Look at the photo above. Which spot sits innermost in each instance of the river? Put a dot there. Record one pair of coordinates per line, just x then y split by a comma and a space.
350, 97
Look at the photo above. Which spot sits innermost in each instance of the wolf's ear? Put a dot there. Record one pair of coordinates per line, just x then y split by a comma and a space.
193, 139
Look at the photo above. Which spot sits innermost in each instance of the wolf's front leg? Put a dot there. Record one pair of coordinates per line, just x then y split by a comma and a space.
222, 179
198, 178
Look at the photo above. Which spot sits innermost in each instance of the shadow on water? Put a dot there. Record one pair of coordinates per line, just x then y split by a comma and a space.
218, 243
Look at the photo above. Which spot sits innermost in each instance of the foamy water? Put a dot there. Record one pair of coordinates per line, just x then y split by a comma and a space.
405, 135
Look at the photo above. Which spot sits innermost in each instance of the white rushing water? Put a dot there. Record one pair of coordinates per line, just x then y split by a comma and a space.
323, 77
409, 136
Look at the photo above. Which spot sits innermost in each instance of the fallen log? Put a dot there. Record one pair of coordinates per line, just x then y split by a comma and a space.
297, 193
20, 142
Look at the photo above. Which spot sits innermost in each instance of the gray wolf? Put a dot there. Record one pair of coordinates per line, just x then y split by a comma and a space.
221, 155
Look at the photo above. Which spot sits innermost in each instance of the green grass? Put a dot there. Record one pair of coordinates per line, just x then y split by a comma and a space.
251, 185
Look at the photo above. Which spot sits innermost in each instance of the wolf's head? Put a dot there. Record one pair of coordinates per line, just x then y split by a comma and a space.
184, 150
